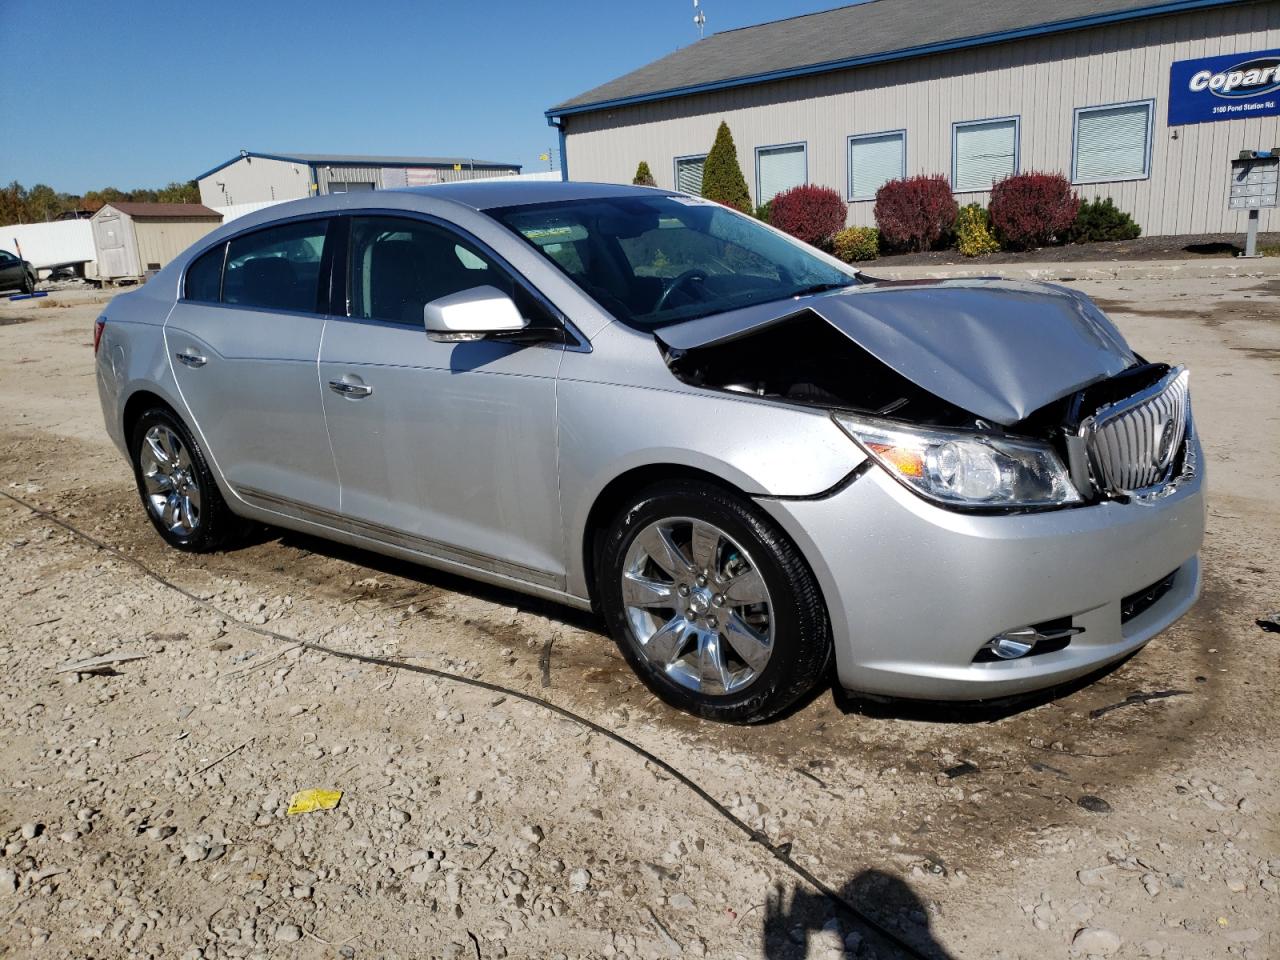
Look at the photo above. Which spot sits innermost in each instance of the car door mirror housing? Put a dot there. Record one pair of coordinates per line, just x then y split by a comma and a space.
472, 315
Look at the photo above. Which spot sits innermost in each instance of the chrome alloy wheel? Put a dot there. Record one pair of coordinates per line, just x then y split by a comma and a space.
697, 605
172, 491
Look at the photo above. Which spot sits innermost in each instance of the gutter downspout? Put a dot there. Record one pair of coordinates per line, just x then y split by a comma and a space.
558, 123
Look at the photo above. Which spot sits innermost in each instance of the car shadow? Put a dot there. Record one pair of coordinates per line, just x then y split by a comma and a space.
801, 923
965, 712
437, 579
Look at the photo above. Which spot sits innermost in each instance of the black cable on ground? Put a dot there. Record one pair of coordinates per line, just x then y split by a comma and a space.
781, 854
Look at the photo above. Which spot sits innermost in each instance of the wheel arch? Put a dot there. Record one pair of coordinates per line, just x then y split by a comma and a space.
138, 403
617, 492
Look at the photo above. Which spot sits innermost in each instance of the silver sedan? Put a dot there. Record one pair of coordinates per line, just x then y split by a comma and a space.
758, 465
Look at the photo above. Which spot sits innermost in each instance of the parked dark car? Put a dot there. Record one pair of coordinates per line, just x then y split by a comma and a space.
16, 273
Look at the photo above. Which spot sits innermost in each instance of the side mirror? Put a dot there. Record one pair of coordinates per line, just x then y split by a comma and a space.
472, 315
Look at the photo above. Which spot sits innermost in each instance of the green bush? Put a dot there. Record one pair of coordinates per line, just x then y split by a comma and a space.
973, 231
643, 177
1103, 220
856, 243
722, 179
764, 212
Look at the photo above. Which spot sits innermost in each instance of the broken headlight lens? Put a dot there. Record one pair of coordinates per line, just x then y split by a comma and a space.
965, 469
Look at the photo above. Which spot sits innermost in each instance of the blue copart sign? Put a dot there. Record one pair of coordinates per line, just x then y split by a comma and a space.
1232, 87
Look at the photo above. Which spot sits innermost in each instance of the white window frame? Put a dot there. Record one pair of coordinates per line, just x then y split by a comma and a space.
1146, 159
804, 149
848, 159
1017, 148
675, 167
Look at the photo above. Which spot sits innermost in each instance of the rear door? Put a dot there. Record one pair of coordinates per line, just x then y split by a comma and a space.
244, 341
447, 448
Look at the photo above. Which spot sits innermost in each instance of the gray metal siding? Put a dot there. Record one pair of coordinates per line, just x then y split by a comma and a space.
326, 174
1040, 80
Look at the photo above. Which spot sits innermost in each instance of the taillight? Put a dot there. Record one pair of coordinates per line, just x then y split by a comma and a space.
98, 326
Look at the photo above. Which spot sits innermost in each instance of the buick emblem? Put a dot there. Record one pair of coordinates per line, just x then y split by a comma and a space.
1164, 443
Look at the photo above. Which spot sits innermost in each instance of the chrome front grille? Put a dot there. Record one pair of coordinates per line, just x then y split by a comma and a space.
1134, 443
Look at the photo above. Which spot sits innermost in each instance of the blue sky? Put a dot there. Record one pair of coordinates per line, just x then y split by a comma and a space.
140, 93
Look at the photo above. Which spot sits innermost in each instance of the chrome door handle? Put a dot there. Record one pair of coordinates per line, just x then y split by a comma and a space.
191, 359
353, 390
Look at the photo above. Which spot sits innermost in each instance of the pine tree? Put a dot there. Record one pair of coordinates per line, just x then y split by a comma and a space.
643, 177
722, 179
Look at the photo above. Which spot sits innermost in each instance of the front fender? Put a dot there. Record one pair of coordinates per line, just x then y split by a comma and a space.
761, 447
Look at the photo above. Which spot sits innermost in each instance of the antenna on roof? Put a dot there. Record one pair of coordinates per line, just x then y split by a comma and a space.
699, 18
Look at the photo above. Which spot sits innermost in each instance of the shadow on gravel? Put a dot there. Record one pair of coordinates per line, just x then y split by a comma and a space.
809, 925
431, 578
978, 711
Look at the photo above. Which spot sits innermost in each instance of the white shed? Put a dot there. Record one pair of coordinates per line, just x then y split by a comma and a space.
130, 239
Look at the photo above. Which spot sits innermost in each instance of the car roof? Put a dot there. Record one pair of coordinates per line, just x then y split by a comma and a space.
486, 194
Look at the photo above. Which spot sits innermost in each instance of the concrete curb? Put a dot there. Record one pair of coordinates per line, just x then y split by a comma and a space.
1261, 267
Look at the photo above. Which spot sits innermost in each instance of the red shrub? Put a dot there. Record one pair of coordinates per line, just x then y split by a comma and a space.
915, 213
1032, 209
809, 213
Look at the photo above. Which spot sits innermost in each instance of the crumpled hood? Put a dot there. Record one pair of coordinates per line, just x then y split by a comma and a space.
1000, 349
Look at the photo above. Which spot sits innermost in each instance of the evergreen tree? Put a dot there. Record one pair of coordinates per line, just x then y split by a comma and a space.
643, 177
722, 179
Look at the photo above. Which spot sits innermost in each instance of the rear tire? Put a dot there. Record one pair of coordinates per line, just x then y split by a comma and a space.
711, 604
177, 488
29, 283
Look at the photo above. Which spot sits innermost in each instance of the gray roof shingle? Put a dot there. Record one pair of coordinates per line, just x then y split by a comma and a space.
875, 29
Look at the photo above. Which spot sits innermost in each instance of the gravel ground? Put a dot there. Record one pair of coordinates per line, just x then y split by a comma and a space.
143, 802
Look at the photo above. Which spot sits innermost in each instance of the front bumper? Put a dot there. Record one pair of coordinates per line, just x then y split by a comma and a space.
914, 591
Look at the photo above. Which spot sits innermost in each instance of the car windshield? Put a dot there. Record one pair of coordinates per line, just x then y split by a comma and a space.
657, 260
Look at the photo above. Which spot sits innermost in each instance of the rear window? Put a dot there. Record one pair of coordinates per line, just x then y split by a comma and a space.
204, 276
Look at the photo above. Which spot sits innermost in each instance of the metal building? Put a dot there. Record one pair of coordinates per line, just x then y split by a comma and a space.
1144, 101
131, 239
265, 177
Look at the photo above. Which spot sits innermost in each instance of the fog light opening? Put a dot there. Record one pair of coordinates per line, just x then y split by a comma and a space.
1038, 638
1014, 644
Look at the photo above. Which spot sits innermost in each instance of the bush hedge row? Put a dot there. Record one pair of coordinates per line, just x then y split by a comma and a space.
1026, 211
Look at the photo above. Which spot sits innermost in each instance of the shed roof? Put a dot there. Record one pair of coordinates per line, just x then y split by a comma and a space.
365, 160
851, 36
153, 211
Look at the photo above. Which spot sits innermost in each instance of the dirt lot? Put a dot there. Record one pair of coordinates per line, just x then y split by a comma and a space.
143, 810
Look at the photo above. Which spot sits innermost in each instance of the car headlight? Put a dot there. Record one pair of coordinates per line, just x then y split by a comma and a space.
964, 469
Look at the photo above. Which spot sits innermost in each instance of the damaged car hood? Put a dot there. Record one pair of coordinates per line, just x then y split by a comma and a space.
997, 348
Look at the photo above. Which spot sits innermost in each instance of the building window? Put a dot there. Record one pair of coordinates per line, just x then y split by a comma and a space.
1112, 143
874, 160
689, 174
983, 152
780, 168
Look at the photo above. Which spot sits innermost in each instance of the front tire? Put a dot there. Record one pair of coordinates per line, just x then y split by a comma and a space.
177, 488
29, 283
711, 604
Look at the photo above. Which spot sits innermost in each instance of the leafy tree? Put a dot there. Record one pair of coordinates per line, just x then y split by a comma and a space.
643, 177
722, 179
44, 203
188, 192
13, 203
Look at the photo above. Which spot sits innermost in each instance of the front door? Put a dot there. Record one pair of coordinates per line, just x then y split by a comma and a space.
243, 342
445, 448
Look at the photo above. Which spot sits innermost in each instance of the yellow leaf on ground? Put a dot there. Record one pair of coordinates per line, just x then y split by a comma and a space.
305, 801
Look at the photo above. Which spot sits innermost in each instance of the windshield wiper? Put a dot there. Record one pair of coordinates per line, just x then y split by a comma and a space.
821, 288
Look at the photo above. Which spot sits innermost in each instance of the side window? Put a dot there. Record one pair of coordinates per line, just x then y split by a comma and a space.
277, 268
204, 276
398, 266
